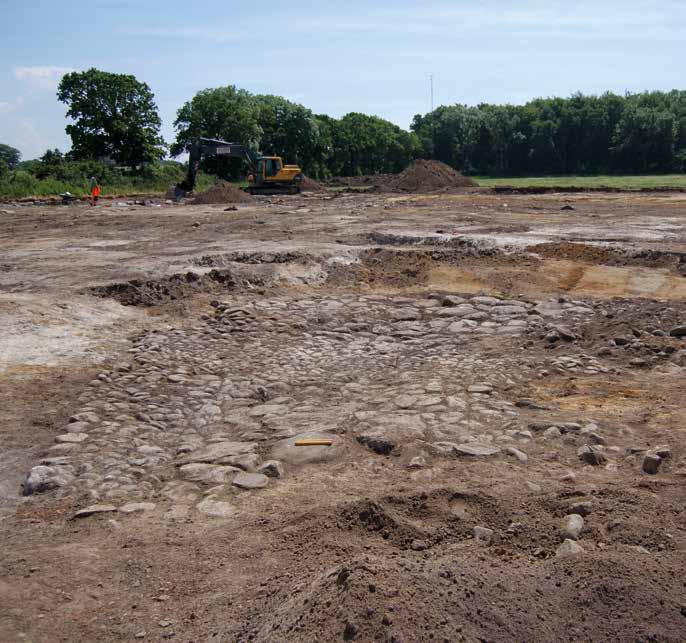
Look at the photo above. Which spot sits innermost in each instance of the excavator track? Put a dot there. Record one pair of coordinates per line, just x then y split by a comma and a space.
290, 189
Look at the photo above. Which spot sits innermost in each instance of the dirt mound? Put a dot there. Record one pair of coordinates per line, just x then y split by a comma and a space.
429, 176
222, 192
408, 568
310, 185
421, 176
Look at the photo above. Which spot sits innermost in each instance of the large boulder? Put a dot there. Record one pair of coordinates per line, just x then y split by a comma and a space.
286, 451
45, 478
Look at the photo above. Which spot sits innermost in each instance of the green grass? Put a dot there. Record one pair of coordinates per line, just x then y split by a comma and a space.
621, 182
32, 187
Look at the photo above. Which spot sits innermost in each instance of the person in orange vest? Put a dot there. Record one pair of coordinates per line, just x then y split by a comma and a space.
95, 190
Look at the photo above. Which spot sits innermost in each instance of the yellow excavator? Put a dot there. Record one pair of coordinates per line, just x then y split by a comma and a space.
266, 174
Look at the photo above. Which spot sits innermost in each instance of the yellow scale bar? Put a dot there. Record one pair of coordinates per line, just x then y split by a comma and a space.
313, 442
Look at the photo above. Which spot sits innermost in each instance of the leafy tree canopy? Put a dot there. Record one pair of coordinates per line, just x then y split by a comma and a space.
115, 116
10, 155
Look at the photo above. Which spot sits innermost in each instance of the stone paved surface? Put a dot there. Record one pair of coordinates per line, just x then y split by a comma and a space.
195, 409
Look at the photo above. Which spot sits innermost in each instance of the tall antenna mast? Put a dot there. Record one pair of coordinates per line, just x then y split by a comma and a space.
431, 83
433, 125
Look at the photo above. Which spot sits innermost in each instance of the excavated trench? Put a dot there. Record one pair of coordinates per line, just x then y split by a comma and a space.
420, 263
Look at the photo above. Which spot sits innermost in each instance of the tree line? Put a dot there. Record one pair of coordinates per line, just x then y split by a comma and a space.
114, 119
635, 133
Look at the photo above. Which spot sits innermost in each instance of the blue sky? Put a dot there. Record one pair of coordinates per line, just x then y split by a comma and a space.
334, 57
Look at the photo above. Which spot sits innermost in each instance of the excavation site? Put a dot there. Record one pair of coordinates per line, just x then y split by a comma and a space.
395, 409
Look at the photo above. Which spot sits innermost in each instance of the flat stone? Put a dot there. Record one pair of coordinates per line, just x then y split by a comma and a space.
406, 314
481, 388
474, 449
571, 526
134, 507
77, 427
458, 311
452, 300
516, 453
94, 509
286, 451
477, 316
405, 401
150, 449
250, 480
219, 450
510, 310
216, 508
71, 438
462, 326
403, 425
268, 409
486, 301
428, 400
568, 549
245, 461
211, 474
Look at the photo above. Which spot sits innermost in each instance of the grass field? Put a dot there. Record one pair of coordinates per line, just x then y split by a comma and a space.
122, 188
621, 182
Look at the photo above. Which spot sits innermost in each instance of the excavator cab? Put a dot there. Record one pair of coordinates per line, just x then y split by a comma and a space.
271, 175
272, 166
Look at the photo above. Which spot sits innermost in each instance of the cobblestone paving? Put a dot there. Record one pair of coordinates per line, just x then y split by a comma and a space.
220, 404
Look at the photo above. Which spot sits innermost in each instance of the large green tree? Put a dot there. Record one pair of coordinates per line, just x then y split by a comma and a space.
225, 113
114, 116
288, 130
10, 155
369, 145
264, 123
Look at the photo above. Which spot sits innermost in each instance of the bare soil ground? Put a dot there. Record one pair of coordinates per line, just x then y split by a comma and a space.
501, 378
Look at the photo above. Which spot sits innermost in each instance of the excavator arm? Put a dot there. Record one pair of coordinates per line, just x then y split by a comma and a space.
202, 148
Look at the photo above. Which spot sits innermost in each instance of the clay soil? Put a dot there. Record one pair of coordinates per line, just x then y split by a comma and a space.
394, 324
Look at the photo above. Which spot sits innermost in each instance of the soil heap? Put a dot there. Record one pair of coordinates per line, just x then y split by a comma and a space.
428, 176
222, 192
310, 185
421, 176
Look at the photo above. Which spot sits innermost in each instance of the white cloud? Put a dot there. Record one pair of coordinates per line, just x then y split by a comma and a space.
588, 17
41, 76
7, 107
195, 33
